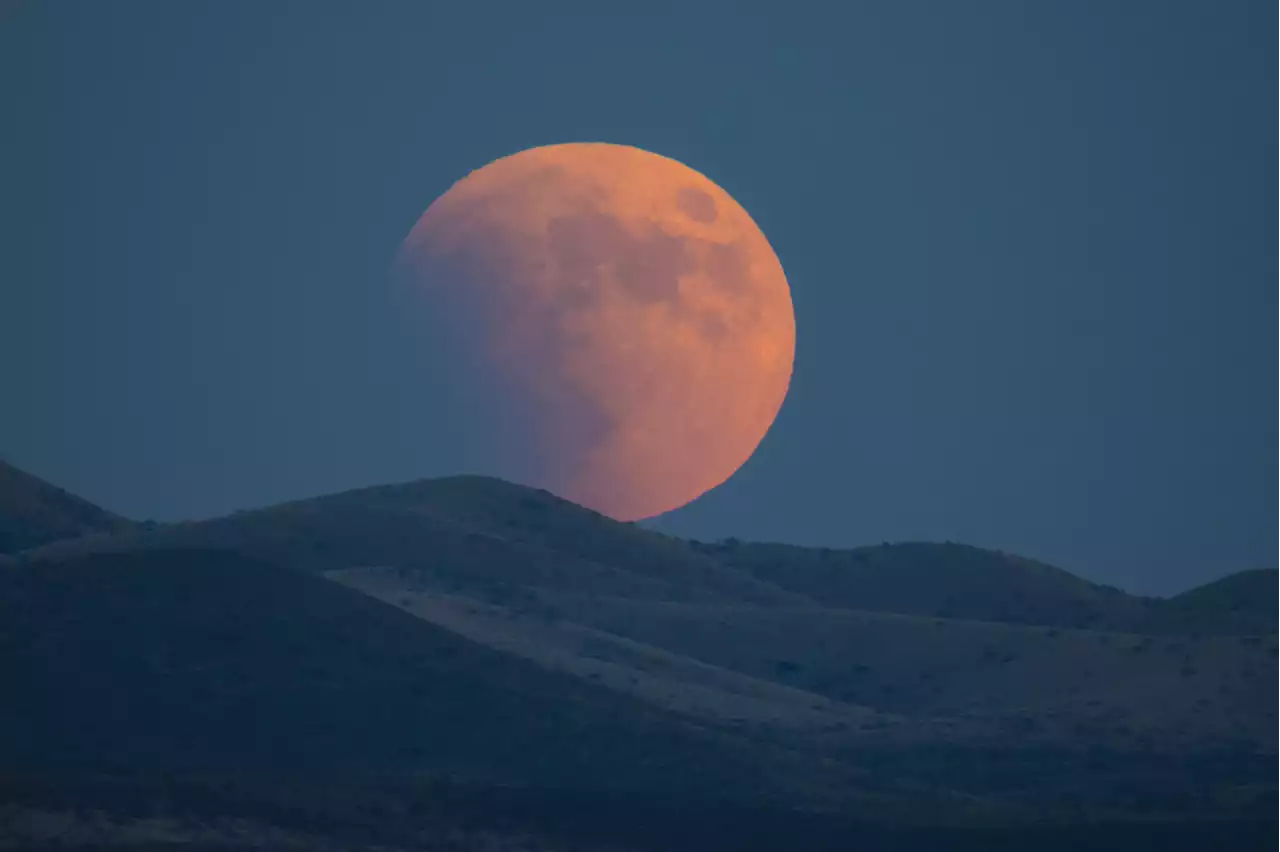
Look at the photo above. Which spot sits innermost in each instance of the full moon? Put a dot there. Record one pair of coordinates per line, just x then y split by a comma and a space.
620, 330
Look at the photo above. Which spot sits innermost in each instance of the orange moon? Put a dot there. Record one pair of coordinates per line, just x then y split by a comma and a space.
623, 323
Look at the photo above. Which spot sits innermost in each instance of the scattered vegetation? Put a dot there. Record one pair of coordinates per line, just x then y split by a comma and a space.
505, 644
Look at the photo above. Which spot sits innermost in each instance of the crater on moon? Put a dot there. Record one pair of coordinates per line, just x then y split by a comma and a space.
626, 330
696, 204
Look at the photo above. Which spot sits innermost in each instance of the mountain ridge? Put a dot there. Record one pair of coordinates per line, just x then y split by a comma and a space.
531, 538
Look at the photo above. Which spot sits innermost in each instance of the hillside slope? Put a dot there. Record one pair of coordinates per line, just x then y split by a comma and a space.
34, 512
941, 580
966, 680
473, 534
506, 544
1244, 602
524, 642
203, 661
655, 674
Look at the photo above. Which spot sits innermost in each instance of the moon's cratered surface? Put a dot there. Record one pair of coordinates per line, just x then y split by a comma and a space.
627, 324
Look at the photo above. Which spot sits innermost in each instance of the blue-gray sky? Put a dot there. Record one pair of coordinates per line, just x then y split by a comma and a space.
1029, 246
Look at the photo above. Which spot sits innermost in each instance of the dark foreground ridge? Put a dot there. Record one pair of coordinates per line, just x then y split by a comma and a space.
395, 814
174, 661
465, 663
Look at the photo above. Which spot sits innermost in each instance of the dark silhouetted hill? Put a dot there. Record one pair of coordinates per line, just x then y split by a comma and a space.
467, 533
478, 535
194, 661
34, 512
940, 580
1244, 602
475, 634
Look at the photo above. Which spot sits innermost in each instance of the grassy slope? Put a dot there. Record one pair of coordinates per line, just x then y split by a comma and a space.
880, 676
1244, 602
974, 657
673, 681
193, 661
1032, 683
1006, 718
942, 580
34, 512
718, 632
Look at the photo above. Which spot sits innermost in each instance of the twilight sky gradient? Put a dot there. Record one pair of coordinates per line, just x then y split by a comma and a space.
1029, 247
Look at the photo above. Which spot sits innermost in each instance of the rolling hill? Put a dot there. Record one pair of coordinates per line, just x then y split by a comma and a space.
504, 643
1244, 602
497, 541
939, 580
958, 681
469, 533
34, 512
201, 661
501, 544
